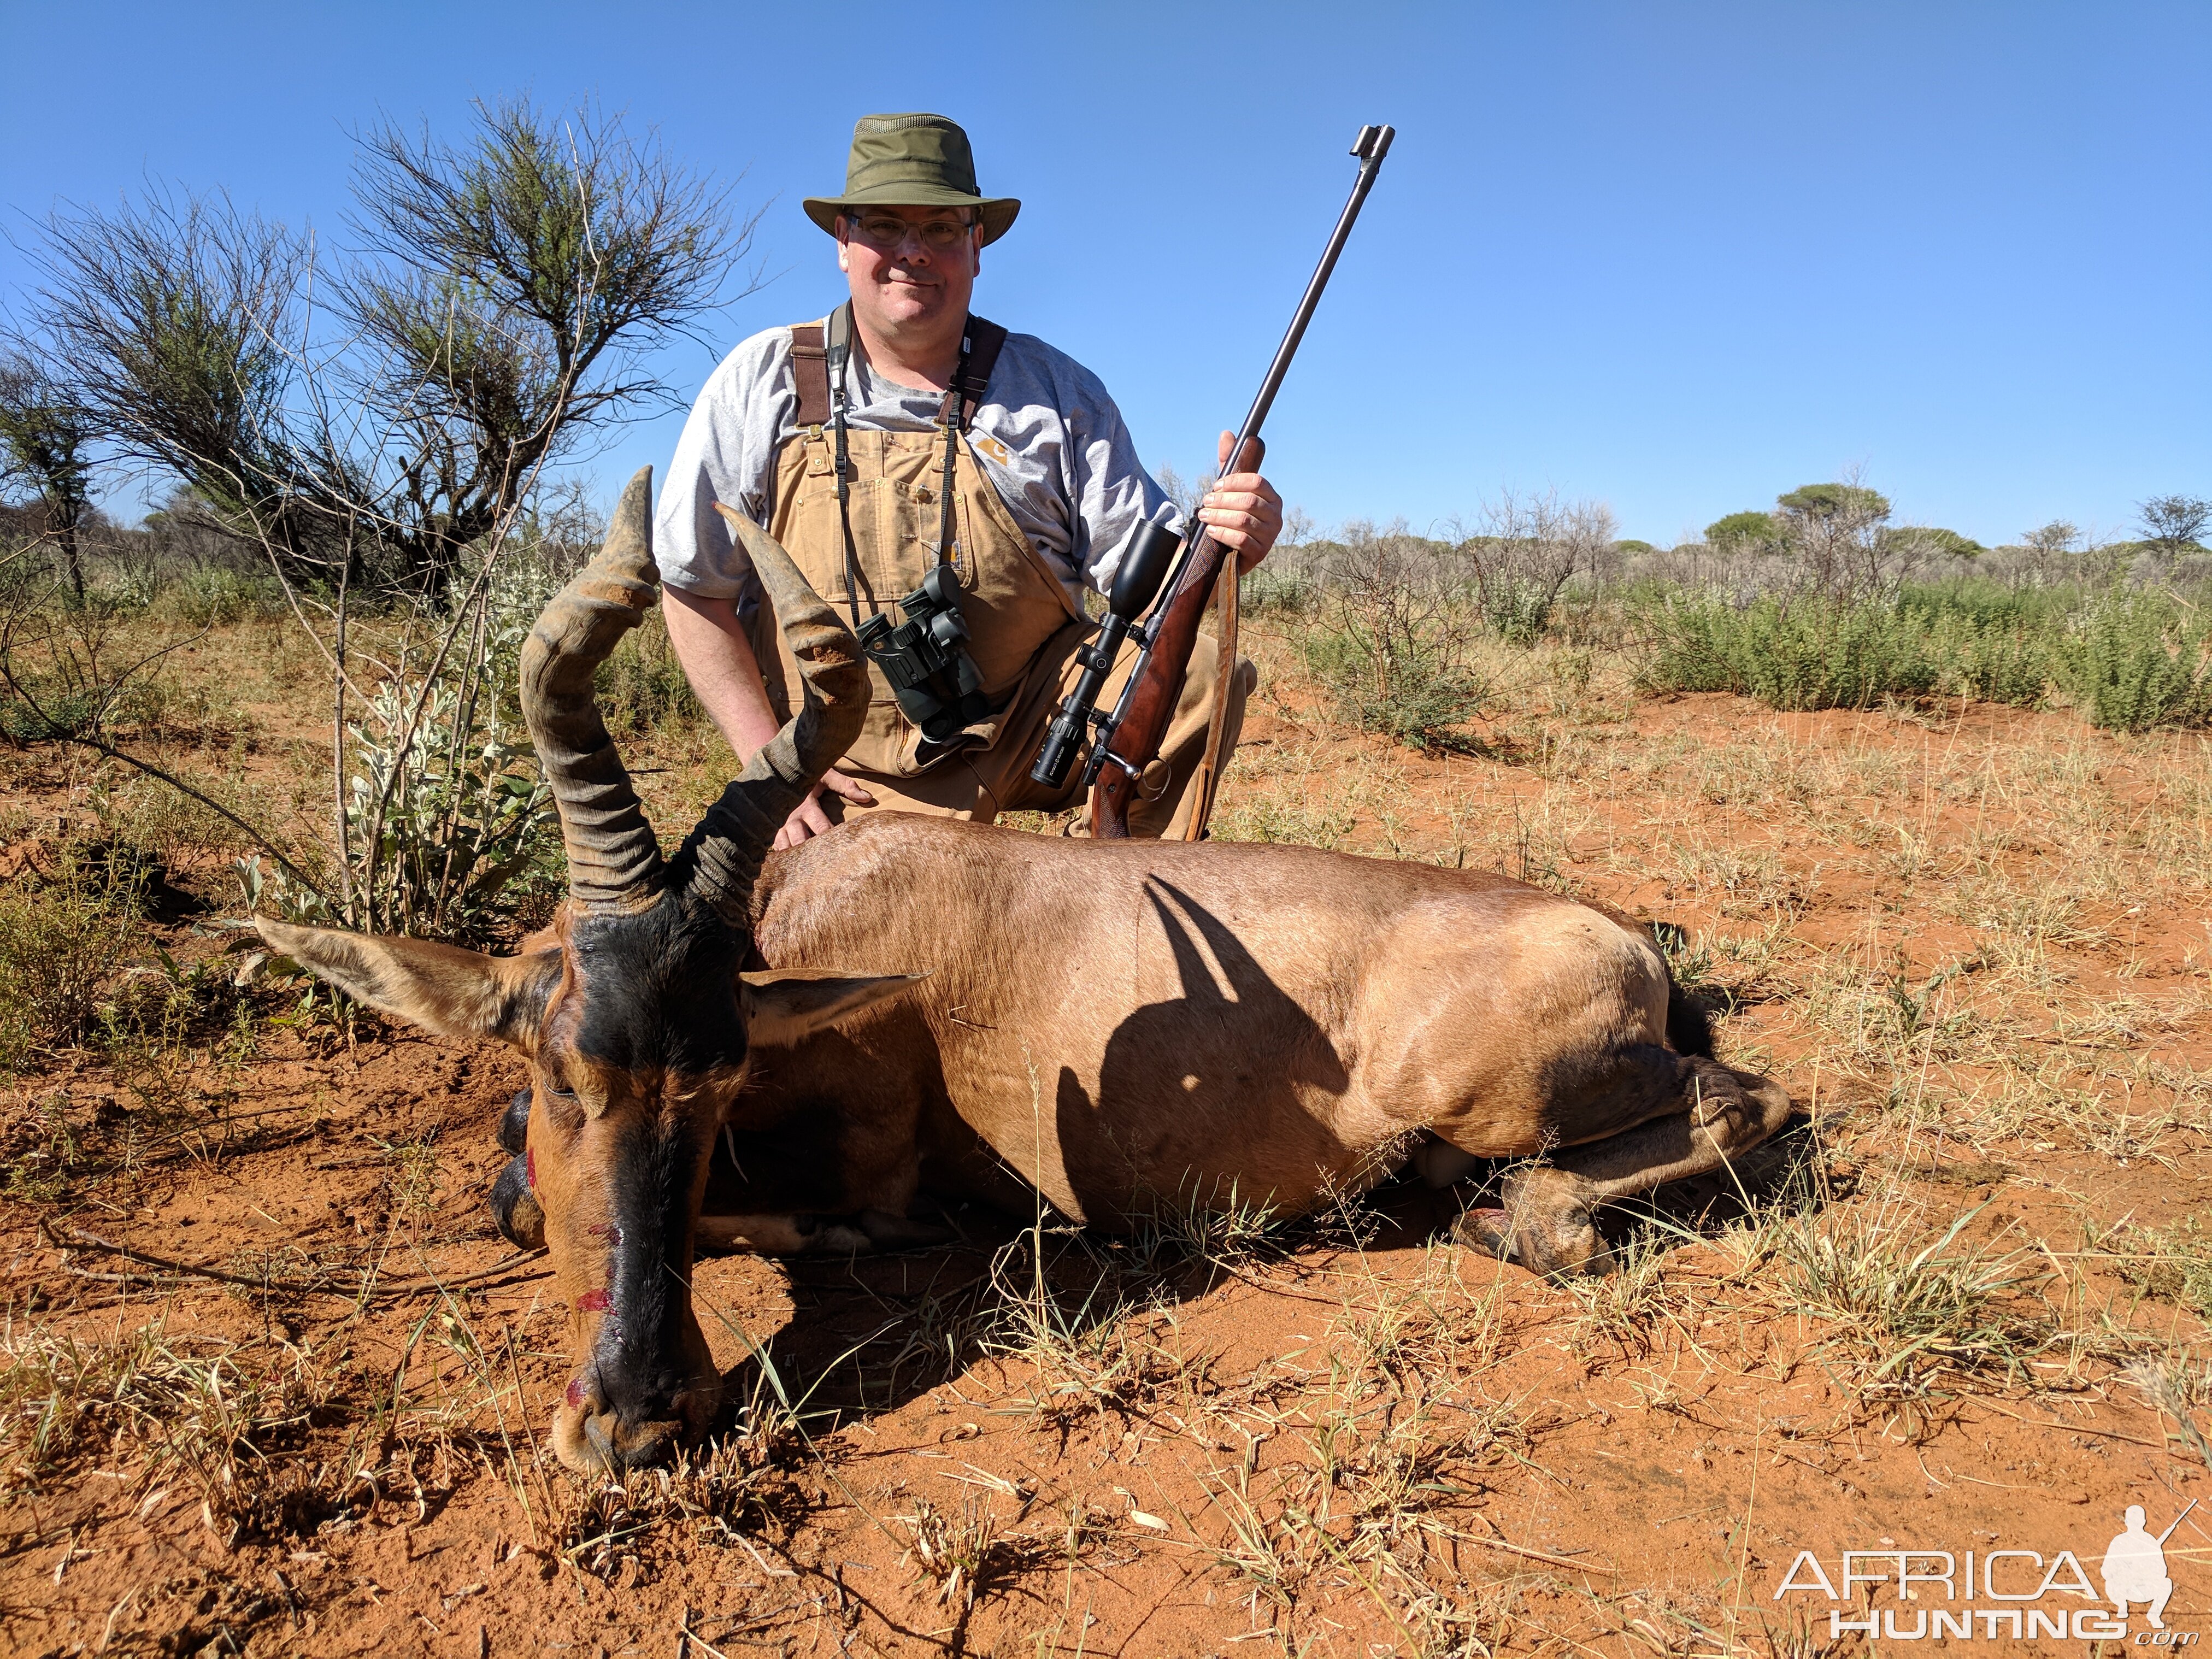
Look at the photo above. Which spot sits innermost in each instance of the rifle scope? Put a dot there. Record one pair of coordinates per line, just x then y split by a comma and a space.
1136, 583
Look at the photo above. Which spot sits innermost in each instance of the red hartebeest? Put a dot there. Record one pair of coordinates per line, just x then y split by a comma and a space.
1120, 1023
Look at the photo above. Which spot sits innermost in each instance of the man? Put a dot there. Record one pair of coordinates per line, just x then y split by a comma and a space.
894, 396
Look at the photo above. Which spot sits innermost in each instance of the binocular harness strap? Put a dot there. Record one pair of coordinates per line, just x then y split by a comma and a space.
838, 352
819, 358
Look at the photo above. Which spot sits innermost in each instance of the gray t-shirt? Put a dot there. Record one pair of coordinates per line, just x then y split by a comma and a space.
1049, 439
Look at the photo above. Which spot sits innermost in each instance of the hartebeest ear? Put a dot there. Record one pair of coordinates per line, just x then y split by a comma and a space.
442, 988
780, 1008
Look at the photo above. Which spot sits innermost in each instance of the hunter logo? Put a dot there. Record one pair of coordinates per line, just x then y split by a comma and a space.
2135, 1567
1940, 1593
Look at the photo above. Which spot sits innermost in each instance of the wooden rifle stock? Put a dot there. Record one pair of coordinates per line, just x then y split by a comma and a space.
1130, 742
1158, 687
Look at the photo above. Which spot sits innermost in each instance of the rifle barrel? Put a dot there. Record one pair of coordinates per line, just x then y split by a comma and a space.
1374, 145
1371, 147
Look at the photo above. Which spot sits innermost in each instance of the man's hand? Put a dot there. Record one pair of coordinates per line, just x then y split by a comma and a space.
809, 818
718, 662
1243, 509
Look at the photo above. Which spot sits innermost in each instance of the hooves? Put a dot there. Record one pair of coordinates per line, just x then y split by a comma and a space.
1547, 1224
514, 1208
514, 1123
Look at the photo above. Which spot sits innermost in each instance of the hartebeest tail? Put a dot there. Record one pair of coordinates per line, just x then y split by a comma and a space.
632, 1008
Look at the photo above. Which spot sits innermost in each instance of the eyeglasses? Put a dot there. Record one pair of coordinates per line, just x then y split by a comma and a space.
888, 232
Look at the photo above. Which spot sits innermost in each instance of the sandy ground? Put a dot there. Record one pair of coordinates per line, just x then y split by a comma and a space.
1957, 1318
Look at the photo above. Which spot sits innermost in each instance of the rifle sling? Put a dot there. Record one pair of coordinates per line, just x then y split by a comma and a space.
1207, 779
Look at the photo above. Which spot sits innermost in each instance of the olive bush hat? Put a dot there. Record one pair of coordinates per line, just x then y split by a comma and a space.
913, 161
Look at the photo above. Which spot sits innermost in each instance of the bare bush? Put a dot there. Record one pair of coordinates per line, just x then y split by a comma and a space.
1529, 549
1397, 635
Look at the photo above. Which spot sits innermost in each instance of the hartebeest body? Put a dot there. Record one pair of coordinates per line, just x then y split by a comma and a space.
1128, 1023
786, 1054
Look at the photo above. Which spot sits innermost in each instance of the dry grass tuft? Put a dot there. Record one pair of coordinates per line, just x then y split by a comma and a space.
202, 1410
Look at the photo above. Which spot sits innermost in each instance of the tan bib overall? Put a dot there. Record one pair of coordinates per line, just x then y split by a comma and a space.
1022, 627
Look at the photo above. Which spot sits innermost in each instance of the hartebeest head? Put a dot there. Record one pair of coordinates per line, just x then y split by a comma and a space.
635, 1013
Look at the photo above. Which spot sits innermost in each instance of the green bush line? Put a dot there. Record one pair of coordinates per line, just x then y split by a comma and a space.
2129, 660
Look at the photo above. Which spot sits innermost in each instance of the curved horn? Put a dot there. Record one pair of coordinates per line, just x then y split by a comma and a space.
614, 862
739, 829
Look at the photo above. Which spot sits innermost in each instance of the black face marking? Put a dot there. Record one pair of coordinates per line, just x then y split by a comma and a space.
654, 1000
639, 1357
660, 990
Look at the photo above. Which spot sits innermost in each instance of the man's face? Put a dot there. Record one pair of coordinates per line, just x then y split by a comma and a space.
909, 266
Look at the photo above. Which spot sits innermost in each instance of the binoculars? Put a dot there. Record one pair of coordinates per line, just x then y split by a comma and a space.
925, 657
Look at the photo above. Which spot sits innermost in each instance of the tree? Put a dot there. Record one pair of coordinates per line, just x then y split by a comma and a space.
1743, 533
45, 438
1845, 499
2172, 524
1934, 538
381, 414
2050, 540
1840, 531
390, 416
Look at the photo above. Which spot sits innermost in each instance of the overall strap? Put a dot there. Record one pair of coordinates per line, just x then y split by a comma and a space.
809, 367
979, 355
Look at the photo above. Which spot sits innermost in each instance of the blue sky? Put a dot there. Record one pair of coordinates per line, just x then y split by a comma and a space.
1676, 257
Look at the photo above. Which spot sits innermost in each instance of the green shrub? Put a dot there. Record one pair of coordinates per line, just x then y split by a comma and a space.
1997, 664
2137, 660
1805, 654
212, 598
1519, 610
450, 831
1412, 688
1992, 605
1290, 591
1969, 638
61, 944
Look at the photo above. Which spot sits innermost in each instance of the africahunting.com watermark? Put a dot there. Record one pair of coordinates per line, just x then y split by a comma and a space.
1997, 1596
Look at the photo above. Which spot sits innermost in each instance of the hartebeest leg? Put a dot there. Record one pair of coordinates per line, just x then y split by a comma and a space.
1547, 1223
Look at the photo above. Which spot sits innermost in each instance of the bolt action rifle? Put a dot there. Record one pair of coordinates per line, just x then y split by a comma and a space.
1129, 739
